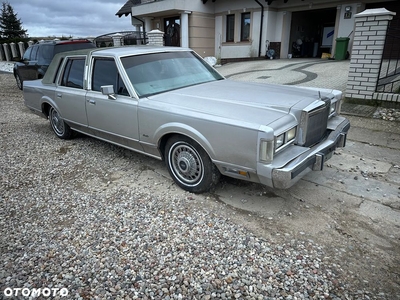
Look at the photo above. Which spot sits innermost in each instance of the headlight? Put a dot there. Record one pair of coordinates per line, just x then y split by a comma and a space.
291, 134
285, 138
280, 140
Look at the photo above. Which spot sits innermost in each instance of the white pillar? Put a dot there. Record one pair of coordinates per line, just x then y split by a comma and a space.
147, 24
7, 52
21, 47
2, 55
185, 29
14, 52
118, 40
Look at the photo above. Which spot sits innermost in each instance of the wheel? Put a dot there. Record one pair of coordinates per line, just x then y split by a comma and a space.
19, 81
60, 128
189, 165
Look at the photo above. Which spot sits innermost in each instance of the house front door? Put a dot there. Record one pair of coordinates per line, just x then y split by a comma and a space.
172, 29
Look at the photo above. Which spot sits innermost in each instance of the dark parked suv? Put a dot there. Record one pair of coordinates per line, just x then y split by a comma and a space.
38, 57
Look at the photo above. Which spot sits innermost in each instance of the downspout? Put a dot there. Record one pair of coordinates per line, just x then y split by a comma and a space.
144, 27
261, 27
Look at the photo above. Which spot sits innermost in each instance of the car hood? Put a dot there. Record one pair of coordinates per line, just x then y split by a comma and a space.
251, 102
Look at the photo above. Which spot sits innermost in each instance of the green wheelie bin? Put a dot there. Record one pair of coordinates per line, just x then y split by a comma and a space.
341, 48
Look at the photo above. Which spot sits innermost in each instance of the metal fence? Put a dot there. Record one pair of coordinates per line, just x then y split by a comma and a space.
389, 73
126, 38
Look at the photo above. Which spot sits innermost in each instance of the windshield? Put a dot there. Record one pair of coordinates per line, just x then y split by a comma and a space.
161, 72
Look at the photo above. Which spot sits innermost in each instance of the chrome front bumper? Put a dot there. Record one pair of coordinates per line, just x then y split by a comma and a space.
311, 160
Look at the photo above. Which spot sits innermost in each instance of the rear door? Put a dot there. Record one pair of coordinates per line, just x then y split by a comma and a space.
116, 119
70, 93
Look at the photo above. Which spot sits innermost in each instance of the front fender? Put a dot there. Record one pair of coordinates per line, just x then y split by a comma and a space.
184, 129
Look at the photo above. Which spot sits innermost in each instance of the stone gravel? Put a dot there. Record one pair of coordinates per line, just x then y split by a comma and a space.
97, 220
388, 114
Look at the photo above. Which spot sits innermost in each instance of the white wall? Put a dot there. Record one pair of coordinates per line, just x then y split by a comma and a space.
154, 8
236, 51
239, 49
346, 26
223, 6
285, 37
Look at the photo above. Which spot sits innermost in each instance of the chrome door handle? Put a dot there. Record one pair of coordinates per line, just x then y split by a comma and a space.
59, 95
91, 101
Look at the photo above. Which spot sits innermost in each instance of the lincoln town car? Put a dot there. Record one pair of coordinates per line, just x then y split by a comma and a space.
168, 103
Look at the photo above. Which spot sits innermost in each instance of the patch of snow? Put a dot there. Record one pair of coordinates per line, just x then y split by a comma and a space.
6, 66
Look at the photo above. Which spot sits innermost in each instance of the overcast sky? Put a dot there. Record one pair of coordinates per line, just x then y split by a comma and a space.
76, 18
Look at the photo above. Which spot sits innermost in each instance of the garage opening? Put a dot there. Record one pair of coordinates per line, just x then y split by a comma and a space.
311, 32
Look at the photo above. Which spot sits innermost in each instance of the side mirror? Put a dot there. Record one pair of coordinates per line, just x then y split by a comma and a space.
109, 91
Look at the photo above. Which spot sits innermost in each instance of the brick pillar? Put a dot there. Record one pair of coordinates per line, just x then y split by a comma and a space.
118, 40
155, 38
366, 55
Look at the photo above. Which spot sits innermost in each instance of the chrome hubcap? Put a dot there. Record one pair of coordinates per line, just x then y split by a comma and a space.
56, 122
186, 163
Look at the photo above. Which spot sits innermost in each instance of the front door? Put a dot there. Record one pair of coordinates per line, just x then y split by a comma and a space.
172, 28
114, 120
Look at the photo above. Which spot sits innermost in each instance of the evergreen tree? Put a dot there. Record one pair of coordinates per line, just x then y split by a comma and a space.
10, 25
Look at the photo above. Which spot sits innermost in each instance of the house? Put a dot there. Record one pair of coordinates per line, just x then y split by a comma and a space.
246, 29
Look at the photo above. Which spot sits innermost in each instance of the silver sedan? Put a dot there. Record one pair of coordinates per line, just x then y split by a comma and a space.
168, 103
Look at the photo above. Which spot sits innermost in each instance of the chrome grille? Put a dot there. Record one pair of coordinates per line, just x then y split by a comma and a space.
314, 124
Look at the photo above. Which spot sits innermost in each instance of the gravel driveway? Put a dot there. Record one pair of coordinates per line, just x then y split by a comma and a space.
99, 222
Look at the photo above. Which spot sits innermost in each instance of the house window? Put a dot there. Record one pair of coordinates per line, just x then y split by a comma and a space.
230, 28
245, 27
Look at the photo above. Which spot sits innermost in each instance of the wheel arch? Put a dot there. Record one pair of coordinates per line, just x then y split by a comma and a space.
47, 103
165, 132
46, 108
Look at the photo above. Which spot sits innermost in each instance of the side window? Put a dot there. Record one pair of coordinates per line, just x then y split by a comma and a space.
105, 72
34, 53
27, 53
73, 73
46, 53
